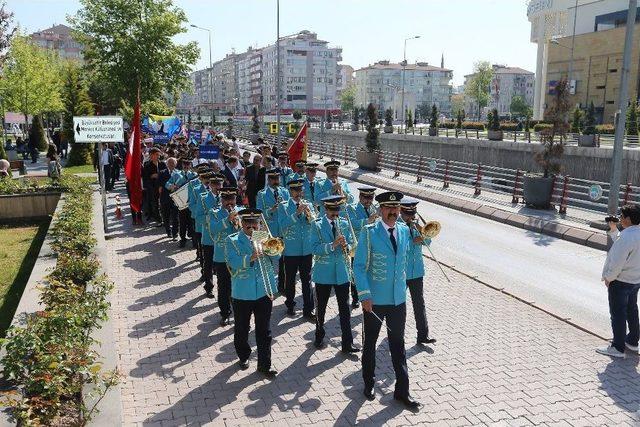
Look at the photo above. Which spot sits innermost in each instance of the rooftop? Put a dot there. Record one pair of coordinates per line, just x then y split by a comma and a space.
418, 66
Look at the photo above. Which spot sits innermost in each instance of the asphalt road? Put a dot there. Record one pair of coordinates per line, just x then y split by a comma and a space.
558, 276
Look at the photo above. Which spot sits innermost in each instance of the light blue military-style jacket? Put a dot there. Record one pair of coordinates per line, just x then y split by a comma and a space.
295, 229
199, 209
247, 277
358, 216
221, 228
380, 274
306, 194
210, 202
330, 265
285, 174
265, 200
415, 260
326, 191
195, 189
179, 178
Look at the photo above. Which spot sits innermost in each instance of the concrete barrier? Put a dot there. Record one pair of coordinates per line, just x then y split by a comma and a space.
28, 206
590, 163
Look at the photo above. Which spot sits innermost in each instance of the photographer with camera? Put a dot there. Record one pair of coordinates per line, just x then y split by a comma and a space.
621, 275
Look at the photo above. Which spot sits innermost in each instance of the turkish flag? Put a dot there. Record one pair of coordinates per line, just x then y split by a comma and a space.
133, 168
297, 150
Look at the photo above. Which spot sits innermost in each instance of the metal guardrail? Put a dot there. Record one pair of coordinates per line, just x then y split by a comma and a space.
629, 141
567, 192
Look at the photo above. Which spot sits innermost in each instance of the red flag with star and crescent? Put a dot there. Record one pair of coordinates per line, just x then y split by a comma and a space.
297, 149
133, 167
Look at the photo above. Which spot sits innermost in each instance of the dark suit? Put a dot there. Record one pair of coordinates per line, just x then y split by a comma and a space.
150, 186
231, 181
255, 178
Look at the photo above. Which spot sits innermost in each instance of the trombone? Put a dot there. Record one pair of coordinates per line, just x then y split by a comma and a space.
345, 252
429, 230
264, 270
273, 246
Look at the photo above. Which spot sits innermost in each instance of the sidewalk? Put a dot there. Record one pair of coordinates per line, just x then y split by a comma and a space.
497, 360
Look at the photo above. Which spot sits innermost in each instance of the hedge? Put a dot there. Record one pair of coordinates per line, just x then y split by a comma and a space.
510, 126
50, 360
606, 129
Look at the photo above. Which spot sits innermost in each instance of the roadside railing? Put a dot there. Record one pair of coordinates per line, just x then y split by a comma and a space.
629, 141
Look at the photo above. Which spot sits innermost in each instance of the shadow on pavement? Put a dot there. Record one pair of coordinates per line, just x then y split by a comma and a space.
621, 381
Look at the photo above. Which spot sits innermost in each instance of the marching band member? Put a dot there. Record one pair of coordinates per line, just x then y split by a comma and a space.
210, 202
331, 242
333, 185
195, 188
415, 269
285, 171
252, 281
268, 200
295, 219
379, 270
298, 170
311, 183
177, 179
361, 214
224, 223
199, 213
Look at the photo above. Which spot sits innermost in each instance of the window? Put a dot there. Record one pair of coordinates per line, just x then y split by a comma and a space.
600, 87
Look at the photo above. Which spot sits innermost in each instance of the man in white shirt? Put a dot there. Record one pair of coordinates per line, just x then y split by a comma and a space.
621, 275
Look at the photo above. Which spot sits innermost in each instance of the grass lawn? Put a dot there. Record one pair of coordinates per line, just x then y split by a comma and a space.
78, 169
18, 252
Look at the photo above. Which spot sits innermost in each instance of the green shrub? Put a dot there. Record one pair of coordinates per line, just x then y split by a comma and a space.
473, 125
590, 121
510, 126
542, 126
607, 129
448, 125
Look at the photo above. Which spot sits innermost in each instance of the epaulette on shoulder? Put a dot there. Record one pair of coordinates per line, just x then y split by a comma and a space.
318, 219
234, 235
370, 225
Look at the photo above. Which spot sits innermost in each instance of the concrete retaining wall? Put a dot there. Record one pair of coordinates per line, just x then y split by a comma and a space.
25, 206
579, 162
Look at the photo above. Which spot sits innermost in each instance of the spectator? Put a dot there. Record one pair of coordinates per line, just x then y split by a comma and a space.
53, 167
106, 162
33, 148
621, 275
4, 169
254, 176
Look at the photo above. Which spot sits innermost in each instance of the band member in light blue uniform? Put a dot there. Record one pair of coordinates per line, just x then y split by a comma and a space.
333, 185
210, 202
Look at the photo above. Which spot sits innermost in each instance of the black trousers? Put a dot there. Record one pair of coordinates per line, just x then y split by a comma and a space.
293, 264
169, 217
281, 276
185, 223
224, 288
207, 267
395, 317
416, 288
151, 203
106, 175
323, 292
196, 244
354, 291
261, 310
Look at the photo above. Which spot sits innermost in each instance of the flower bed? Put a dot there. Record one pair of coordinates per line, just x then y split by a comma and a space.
50, 360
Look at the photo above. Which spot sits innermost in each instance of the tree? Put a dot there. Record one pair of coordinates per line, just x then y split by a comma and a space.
297, 115
151, 106
255, 127
409, 119
130, 45
388, 117
590, 121
457, 103
493, 120
552, 139
433, 121
519, 107
632, 119
348, 98
75, 98
6, 30
478, 87
576, 122
372, 129
31, 79
423, 110
459, 119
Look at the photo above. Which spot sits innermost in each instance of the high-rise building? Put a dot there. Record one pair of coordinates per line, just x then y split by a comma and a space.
58, 38
553, 20
424, 84
506, 83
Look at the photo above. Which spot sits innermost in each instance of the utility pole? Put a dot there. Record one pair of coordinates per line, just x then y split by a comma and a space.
278, 68
616, 163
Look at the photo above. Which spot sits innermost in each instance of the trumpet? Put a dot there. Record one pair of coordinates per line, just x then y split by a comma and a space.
236, 221
345, 252
339, 191
264, 270
310, 212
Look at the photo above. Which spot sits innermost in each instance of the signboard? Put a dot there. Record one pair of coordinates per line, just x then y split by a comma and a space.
595, 192
161, 139
209, 152
98, 129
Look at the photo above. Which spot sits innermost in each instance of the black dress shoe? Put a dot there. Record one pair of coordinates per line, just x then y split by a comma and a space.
268, 372
291, 311
183, 243
408, 402
319, 344
350, 349
225, 321
355, 304
243, 364
209, 294
310, 317
369, 393
201, 278
427, 341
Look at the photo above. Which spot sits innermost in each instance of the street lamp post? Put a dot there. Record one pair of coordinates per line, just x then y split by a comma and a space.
278, 68
404, 66
210, 70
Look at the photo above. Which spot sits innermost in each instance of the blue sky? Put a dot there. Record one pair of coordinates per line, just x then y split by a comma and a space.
367, 30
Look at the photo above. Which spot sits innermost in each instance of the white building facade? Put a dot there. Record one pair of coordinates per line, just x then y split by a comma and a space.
381, 85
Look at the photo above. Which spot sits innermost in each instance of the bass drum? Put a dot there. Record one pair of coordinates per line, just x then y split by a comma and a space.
181, 197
